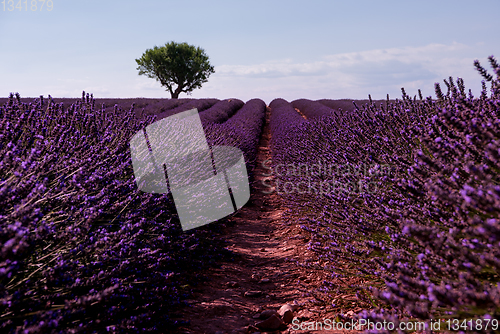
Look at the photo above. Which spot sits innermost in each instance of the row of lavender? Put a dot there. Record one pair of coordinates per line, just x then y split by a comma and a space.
143, 106
81, 248
243, 130
408, 194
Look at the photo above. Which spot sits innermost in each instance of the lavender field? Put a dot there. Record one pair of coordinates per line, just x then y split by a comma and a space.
404, 193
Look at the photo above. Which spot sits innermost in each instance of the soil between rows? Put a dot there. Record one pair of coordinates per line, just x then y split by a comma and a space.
266, 248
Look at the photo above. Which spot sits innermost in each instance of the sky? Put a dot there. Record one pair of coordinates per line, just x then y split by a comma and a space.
260, 49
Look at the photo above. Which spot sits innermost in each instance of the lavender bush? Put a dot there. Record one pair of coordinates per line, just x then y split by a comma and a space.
312, 109
448, 219
423, 237
242, 130
221, 111
82, 250
200, 104
347, 105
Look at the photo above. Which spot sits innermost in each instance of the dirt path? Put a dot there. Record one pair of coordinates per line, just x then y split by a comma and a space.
266, 276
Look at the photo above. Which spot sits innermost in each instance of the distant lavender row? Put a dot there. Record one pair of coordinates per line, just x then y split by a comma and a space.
142, 106
285, 127
347, 105
291, 144
248, 123
146, 107
82, 249
283, 114
200, 104
242, 130
221, 111
312, 109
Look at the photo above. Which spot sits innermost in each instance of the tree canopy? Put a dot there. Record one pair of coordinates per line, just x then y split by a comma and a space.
183, 65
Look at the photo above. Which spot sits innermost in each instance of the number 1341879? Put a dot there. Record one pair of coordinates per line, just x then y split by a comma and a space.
27, 5
473, 324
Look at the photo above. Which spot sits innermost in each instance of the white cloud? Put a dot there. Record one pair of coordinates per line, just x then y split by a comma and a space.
430, 55
350, 75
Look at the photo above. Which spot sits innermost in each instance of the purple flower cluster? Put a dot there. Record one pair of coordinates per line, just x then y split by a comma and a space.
200, 104
146, 107
81, 248
221, 111
242, 130
287, 128
312, 109
449, 217
426, 240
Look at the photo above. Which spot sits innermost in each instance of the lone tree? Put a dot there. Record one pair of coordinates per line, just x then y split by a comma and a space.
184, 65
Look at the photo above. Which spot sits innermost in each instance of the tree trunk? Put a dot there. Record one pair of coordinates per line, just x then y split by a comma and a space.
171, 92
176, 93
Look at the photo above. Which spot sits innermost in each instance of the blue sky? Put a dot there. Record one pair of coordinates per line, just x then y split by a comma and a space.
267, 49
